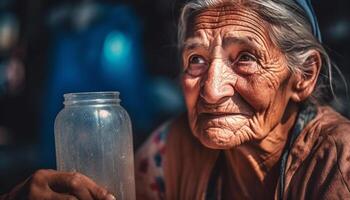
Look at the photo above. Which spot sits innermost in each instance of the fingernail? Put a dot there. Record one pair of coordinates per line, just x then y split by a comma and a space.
110, 197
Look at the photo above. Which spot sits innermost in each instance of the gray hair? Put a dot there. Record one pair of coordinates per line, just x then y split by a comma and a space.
290, 31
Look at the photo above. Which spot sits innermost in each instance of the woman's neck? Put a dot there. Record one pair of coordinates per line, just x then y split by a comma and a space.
254, 167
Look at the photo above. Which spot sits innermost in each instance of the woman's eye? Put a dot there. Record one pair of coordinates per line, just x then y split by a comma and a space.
246, 57
197, 60
246, 64
197, 65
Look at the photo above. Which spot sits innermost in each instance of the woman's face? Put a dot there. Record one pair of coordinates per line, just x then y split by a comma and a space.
236, 82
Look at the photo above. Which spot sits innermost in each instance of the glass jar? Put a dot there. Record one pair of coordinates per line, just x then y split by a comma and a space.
93, 137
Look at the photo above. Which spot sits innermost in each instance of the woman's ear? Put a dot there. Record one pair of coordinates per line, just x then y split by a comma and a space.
306, 78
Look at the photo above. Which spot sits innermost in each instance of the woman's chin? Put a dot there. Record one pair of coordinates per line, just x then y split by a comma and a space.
219, 138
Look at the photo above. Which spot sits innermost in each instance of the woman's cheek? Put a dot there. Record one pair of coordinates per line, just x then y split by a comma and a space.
191, 89
254, 91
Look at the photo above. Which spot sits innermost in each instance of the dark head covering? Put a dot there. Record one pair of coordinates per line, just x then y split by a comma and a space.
307, 7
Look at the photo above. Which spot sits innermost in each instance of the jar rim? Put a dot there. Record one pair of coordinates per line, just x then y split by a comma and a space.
102, 97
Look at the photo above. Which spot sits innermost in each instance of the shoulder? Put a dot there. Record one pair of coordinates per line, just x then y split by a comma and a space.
325, 172
336, 133
332, 123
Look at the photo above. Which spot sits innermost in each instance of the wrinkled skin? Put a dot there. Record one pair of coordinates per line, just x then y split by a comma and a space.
236, 83
241, 96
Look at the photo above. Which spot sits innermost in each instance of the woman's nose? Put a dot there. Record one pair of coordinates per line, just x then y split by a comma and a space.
218, 85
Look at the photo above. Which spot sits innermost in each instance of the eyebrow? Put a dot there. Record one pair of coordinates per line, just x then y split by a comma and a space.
229, 40
194, 43
247, 42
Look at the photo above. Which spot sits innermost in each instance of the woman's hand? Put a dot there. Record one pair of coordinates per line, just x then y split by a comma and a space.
54, 185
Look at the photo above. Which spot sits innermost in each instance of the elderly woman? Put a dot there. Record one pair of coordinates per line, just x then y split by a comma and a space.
255, 128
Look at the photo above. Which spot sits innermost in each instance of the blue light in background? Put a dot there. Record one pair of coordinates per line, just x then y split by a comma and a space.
340, 29
116, 52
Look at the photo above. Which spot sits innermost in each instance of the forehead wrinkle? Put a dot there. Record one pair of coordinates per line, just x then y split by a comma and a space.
212, 20
248, 18
219, 18
227, 10
251, 15
234, 23
253, 32
210, 23
228, 22
223, 7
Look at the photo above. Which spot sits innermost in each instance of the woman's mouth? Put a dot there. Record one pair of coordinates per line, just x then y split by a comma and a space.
218, 115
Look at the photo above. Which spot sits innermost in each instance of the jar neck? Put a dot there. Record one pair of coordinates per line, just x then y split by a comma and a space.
91, 98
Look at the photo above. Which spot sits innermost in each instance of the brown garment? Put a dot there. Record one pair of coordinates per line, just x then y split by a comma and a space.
318, 166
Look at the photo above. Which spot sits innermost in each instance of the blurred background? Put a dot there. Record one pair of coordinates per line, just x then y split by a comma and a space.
48, 48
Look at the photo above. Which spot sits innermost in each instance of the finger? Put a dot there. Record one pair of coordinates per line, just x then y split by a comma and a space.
95, 191
110, 197
98, 192
58, 196
101, 193
81, 193
72, 183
